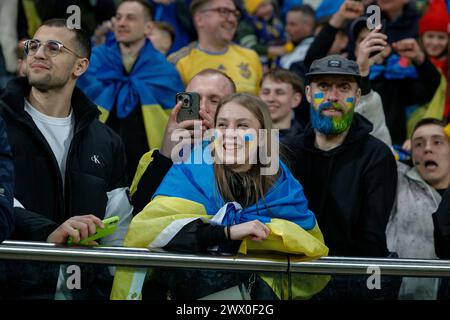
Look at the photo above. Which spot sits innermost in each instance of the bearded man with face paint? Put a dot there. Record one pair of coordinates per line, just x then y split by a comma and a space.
349, 177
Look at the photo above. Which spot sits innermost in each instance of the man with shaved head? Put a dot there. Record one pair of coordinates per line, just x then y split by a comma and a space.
212, 85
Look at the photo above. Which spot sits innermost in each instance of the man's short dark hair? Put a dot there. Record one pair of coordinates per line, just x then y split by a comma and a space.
306, 9
286, 76
196, 5
81, 37
427, 121
148, 9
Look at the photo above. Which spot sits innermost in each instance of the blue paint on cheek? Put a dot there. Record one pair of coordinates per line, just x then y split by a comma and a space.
318, 95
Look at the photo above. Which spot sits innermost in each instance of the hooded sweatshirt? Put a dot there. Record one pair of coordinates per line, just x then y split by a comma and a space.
351, 188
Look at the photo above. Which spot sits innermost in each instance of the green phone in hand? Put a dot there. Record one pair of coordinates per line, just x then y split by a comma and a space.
110, 225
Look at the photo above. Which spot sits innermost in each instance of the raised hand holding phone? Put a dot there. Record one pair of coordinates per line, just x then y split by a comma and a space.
349, 10
190, 106
373, 44
182, 121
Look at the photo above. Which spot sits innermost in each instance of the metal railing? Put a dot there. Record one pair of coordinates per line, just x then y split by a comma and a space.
37, 251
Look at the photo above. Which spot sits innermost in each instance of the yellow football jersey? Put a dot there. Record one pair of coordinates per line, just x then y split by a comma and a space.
239, 63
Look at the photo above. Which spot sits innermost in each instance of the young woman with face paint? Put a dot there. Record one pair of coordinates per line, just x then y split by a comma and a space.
227, 206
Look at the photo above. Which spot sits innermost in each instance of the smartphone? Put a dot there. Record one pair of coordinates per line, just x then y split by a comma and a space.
110, 226
191, 106
382, 30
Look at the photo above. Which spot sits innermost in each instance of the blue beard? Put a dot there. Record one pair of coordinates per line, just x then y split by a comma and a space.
327, 125
320, 122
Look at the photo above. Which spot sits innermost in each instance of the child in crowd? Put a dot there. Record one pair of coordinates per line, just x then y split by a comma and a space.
162, 36
262, 31
434, 29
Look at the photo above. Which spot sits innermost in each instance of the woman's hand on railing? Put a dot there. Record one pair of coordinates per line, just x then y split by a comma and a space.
255, 230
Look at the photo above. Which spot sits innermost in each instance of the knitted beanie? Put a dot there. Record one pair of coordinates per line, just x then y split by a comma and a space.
252, 5
436, 18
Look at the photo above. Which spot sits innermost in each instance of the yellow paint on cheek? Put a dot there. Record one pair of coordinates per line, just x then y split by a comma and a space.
318, 98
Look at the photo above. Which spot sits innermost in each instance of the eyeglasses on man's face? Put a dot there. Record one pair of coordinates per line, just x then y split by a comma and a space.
51, 48
224, 12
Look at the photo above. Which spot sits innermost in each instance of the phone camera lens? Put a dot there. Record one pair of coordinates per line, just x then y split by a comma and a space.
186, 101
180, 98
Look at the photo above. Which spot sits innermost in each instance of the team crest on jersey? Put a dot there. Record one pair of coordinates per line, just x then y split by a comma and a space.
244, 70
221, 67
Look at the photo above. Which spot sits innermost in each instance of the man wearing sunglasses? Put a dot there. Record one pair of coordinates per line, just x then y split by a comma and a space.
216, 22
70, 169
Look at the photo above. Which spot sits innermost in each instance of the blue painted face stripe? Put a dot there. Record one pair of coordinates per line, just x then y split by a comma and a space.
248, 137
318, 95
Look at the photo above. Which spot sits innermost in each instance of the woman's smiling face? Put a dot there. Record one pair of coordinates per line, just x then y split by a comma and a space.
236, 133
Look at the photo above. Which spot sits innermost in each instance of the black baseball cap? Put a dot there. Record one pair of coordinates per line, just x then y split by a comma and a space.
334, 65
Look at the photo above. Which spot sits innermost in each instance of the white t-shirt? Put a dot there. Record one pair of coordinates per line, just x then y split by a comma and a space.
57, 131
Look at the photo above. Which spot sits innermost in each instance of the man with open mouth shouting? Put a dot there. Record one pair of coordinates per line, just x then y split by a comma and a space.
419, 193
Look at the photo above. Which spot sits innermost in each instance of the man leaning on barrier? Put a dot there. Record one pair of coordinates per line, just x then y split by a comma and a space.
70, 168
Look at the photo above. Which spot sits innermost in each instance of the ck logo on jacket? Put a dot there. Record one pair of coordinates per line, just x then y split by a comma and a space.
95, 159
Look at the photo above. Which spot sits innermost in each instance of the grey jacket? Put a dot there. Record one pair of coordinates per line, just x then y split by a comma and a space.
410, 229
371, 107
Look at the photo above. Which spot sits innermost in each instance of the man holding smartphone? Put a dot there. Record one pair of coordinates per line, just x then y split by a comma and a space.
211, 85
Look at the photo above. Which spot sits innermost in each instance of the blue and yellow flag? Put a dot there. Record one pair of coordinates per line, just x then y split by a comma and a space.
195, 182
152, 83
188, 193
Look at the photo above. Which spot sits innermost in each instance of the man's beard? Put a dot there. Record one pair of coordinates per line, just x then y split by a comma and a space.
46, 82
331, 125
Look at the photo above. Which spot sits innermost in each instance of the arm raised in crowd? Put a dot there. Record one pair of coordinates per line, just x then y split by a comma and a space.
371, 105
349, 10
155, 164
424, 87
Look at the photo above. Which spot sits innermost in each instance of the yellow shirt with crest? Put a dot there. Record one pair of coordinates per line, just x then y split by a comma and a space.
239, 63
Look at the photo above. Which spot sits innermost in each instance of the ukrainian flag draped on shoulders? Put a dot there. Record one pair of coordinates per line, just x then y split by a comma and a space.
152, 84
189, 192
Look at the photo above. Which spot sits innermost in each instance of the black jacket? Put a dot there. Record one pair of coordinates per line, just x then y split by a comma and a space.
95, 165
39, 185
6, 185
351, 188
441, 220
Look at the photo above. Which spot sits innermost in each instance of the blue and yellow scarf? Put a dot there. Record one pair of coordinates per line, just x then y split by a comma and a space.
152, 83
